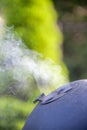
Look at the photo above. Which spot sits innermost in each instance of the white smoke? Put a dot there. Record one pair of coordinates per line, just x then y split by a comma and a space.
21, 69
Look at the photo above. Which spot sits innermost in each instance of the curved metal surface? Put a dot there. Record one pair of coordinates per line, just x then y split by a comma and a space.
58, 93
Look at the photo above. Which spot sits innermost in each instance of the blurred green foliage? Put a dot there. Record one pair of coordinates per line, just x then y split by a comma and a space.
35, 21
13, 113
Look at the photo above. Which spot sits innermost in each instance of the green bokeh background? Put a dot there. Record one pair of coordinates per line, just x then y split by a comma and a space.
37, 23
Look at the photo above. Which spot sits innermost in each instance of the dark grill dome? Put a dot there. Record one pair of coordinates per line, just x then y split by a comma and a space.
63, 109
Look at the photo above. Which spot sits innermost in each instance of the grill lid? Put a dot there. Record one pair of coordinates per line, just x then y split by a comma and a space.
58, 93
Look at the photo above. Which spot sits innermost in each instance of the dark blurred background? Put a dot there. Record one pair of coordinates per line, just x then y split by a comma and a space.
73, 19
